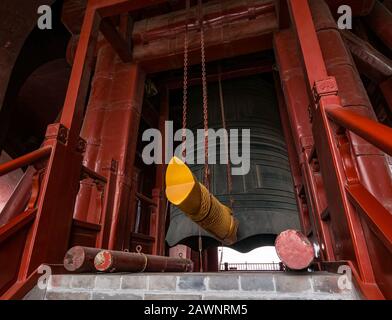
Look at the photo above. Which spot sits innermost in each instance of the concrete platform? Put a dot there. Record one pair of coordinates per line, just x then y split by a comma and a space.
195, 286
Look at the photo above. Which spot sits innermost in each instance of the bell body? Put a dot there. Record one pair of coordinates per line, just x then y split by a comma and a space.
263, 200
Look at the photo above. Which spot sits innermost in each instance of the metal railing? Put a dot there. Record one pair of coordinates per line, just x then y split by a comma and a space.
255, 267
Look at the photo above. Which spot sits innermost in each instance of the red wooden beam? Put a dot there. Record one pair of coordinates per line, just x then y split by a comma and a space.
309, 44
16, 224
377, 216
25, 160
190, 20
19, 198
369, 61
312, 191
158, 214
120, 44
372, 131
119, 261
324, 90
108, 8
72, 115
294, 249
258, 68
359, 160
295, 167
80, 259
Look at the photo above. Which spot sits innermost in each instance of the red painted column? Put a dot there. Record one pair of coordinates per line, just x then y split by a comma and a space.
119, 139
371, 162
211, 260
49, 235
295, 168
158, 215
92, 129
298, 104
110, 128
98, 104
332, 146
130, 224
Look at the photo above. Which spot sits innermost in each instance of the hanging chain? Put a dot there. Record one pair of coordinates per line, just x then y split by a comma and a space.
185, 86
205, 99
205, 117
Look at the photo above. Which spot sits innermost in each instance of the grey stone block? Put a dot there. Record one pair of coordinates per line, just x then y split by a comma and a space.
293, 283
116, 296
172, 297
191, 283
222, 296
134, 282
59, 281
107, 282
68, 295
83, 281
291, 298
35, 294
230, 282
162, 283
195, 286
260, 282
328, 284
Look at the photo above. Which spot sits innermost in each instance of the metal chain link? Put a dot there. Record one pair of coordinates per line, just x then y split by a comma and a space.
205, 118
185, 87
205, 99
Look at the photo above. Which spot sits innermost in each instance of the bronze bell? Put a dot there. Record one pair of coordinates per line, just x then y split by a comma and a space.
262, 201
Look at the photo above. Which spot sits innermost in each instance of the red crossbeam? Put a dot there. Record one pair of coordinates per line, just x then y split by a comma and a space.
372, 131
25, 160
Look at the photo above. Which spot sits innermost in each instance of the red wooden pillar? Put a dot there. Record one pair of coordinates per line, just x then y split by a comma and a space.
293, 160
48, 237
119, 140
130, 224
98, 103
211, 260
92, 130
311, 193
370, 162
158, 214
333, 152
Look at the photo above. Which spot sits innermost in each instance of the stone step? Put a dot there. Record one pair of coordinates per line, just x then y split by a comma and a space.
195, 286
